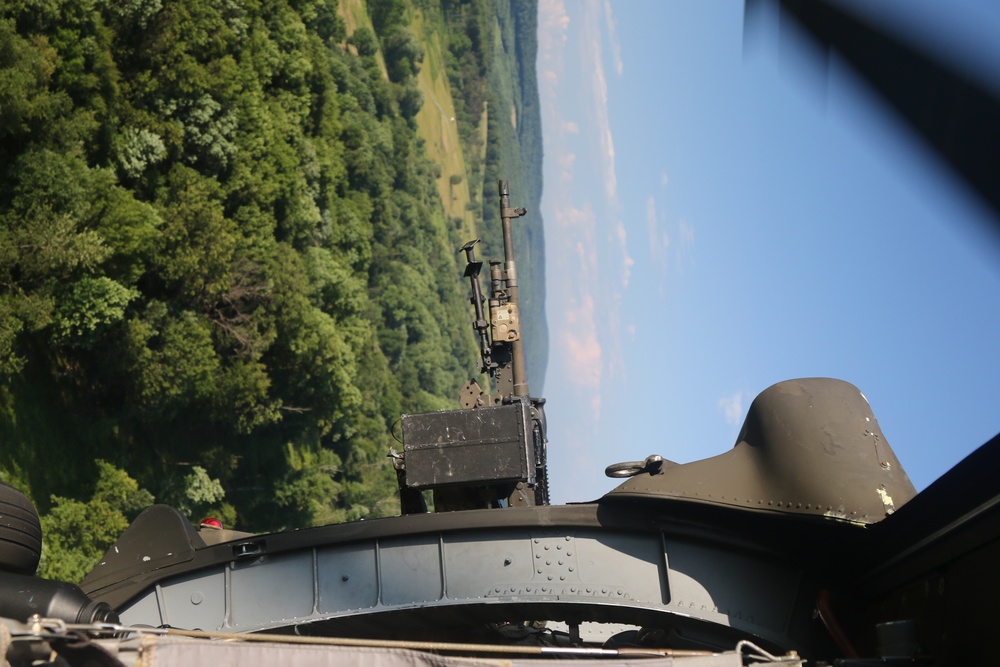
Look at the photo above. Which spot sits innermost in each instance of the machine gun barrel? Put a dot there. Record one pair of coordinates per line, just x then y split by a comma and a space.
518, 368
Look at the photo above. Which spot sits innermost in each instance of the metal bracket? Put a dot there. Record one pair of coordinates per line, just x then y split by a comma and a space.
653, 464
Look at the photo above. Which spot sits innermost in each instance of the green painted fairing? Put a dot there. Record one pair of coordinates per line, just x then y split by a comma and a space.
808, 446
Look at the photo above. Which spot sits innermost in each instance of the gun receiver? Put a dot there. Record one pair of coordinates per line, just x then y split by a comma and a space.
472, 269
491, 453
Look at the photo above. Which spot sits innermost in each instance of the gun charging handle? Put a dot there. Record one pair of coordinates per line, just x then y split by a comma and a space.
472, 270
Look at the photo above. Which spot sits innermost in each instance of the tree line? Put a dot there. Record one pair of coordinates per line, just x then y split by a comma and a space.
224, 267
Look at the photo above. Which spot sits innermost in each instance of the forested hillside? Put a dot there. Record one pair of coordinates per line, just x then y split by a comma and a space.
225, 268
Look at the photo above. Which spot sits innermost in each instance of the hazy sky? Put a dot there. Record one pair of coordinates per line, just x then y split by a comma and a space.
719, 218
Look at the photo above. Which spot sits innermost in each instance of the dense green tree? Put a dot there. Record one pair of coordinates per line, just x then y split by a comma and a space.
224, 267
403, 54
77, 533
387, 14
363, 39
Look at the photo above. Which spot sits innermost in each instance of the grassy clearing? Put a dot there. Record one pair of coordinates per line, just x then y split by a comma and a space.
436, 123
355, 15
436, 119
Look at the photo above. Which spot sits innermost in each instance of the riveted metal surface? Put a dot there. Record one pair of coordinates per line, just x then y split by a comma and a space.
270, 588
348, 578
409, 571
199, 601
809, 446
625, 575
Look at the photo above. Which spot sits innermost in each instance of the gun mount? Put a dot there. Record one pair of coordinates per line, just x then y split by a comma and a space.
807, 519
490, 453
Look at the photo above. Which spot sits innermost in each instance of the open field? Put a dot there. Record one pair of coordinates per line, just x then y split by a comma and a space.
355, 16
436, 122
436, 118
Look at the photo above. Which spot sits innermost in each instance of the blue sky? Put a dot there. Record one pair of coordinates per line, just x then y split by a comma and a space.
719, 218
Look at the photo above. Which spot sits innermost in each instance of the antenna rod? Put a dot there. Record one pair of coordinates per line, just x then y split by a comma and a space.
519, 372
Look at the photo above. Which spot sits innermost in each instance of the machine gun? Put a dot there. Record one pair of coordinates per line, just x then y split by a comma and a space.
490, 453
